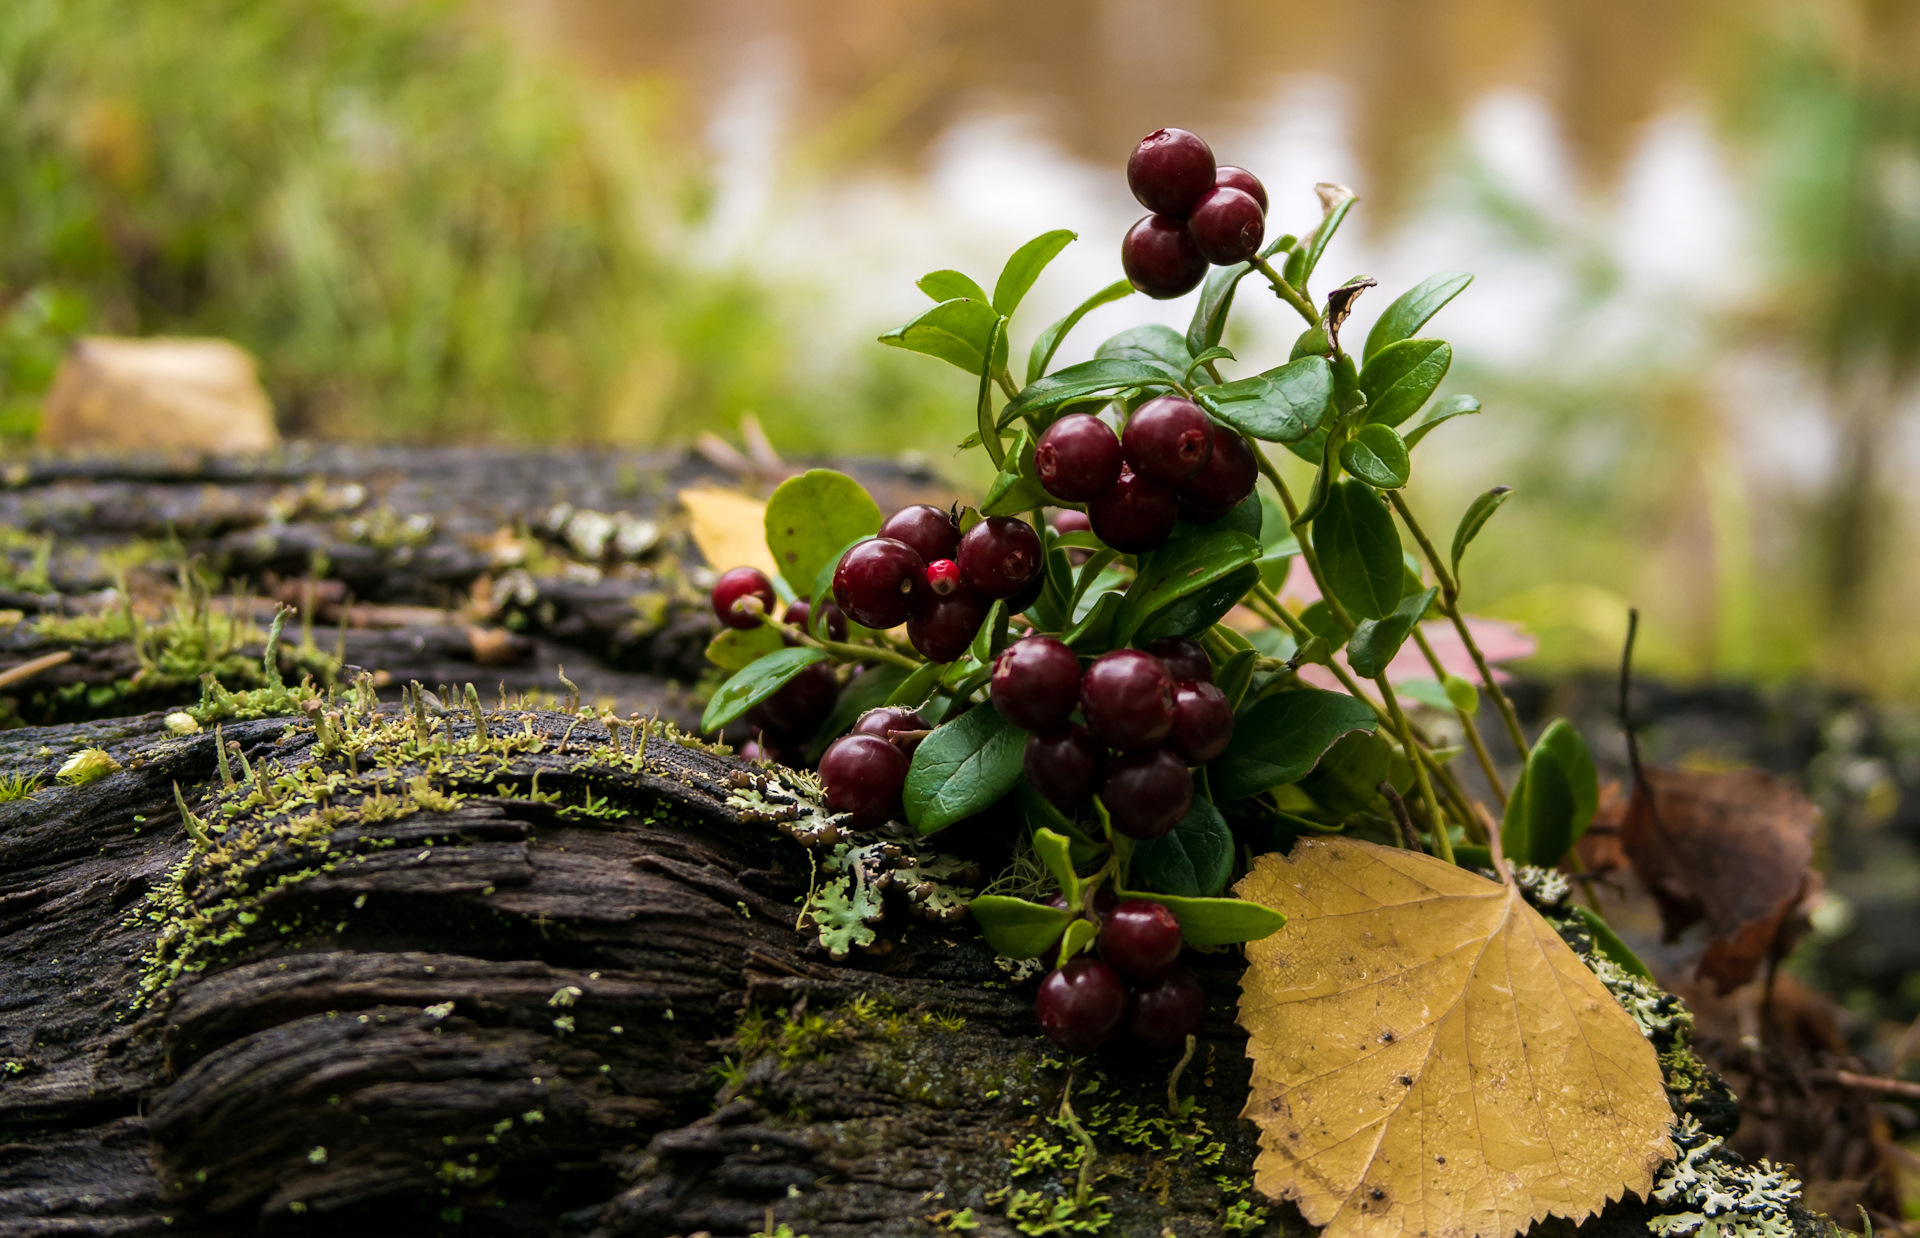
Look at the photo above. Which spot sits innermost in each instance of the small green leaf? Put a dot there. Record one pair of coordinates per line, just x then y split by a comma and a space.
1078, 937
1478, 513
1283, 405
756, 683
962, 768
1044, 347
1464, 695
735, 649
1150, 342
1554, 800
811, 518
1181, 567
1194, 860
1282, 737
1318, 619
1092, 632
987, 427
913, 690
1056, 852
1446, 410
956, 331
1349, 775
1236, 676
1216, 302
1025, 267
1455, 693
1376, 456
1375, 641
1359, 548
1200, 609
1335, 201
1089, 378
1411, 310
949, 285
1399, 380
1208, 922
1016, 928
1610, 944
1206, 357
1016, 490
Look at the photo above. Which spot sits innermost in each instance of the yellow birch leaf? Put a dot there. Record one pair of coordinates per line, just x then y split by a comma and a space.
1430, 1059
729, 528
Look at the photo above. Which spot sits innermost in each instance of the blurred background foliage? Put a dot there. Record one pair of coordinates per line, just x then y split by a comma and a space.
1696, 226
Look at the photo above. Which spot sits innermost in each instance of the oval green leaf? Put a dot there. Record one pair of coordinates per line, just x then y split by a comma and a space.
1446, 410
949, 285
1041, 354
1089, 378
735, 649
1478, 513
956, 331
1376, 456
1209, 922
1149, 342
1282, 737
1016, 928
1283, 405
1182, 566
962, 768
1399, 380
1025, 266
1375, 641
756, 683
811, 518
1015, 489
1359, 548
1192, 861
1411, 310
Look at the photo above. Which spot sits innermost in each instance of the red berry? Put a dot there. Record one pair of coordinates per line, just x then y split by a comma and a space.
943, 576
802, 703
1078, 458
800, 612
1104, 901
863, 775
878, 580
1147, 793
1136, 516
887, 722
1169, 171
1223, 481
1202, 722
941, 628
1160, 259
1071, 521
999, 556
1227, 226
1020, 601
1036, 684
733, 588
1127, 697
930, 531
752, 750
1184, 657
1230, 177
1080, 1004
1165, 1012
1064, 767
1167, 439
1141, 939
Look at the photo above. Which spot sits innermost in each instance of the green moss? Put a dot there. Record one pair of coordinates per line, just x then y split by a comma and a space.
18, 787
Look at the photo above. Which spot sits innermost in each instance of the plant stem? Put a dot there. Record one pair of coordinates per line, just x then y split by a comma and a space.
1006, 383
1287, 292
1478, 744
1442, 844
843, 650
1306, 544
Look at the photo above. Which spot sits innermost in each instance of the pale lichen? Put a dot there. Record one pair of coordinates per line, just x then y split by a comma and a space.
1718, 1197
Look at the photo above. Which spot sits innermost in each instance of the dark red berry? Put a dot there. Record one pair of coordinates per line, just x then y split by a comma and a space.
1141, 939
801, 612
1136, 516
1080, 1004
999, 556
1202, 722
752, 750
1027, 596
943, 576
1160, 259
863, 775
1064, 767
1169, 171
1127, 697
1184, 657
1078, 458
930, 531
1071, 521
1167, 439
1230, 177
1104, 901
803, 702
733, 588
1227, 226
941, 628
888, 721
1165, 1012
1147, 793
878, 580
1223, 481
1036, 684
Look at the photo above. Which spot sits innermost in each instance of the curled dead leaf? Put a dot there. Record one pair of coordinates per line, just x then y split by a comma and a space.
1430, 1058
729, 528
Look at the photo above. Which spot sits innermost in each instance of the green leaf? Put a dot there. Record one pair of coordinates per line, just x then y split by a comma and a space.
1182, 566
1349, 775
1016, 928
1399, 380
1216, 302
1554, 800
1375, 641
1199, 610
1282, 737
1025, 267
1078, 937
1610, 944
1089, 378
1236, 676
949, 285
1149, 342
735, 649
1318, 619
1359, 548
1016, 489
956, 331
1209, 922
1194, 860
1092, 632
914, 689
1464, 695
756, 683
1411, 310
1570, 750
823, 588
1478, 513
1283, 405
1056, 852
1455, 693
1043, 349
1204, 357
1336, 201
1376, 456
870, 689
1446, 410
811, 518
963, 767
987, 428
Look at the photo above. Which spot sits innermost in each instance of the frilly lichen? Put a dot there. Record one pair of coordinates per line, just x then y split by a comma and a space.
1718, 1196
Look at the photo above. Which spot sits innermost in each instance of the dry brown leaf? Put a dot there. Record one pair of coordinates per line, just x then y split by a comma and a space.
1732, 849
1429, 1058
729, 528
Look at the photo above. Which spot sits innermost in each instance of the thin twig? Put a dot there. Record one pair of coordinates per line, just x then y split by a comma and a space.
1408, 835
1867, 1083
1173, 1080
1479, 745
27, 670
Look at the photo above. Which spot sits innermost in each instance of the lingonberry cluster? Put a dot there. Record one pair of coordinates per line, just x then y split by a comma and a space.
1202, 213
1144, 717
921, 570
1136, 983
864, 770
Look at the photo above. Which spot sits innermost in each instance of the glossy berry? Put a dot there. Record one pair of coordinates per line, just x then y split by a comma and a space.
1165, 1012
1081, 1004
1141, 939
930, 531
1227, 226
799, 613
1184, 658
1160, 259
1020, 601
1064, 767
802, 703
1170, 170
1127, 697
999, 556
1220, 484
878, 580
1077, 459
887, 722
1104, 901
1147, 793
1036, 684
863, 775
1229, 177
1167, 439
1136, 516
733, 588
943, 576
941, 628
1072, 521
753, 750
1202, 722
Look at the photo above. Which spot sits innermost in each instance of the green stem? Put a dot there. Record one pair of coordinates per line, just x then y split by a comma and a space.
1287, 292
1442, 843
1307, 551
1478, 744
1006, 383
843, 650
1301, 633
